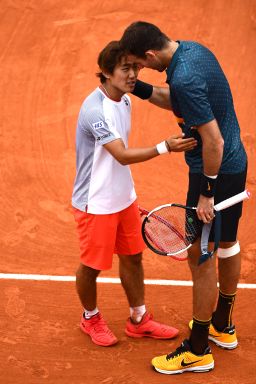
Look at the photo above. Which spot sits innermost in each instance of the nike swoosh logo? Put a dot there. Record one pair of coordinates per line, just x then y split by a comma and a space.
184, 364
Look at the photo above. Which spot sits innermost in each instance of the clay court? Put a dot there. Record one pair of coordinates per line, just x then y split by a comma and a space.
48, 60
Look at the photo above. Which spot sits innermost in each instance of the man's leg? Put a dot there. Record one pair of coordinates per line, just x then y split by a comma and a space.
229, 261
132, 278
92, 322
204, 297
141, 323
129, 246
229, 269
97, 235
86, 286
204, 278
229, 265
194, 354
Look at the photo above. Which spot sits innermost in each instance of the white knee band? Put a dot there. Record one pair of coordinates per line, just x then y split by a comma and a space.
224, 253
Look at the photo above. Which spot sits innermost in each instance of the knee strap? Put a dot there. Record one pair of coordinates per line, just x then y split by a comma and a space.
224, 253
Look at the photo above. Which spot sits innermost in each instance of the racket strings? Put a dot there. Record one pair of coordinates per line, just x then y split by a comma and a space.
171, 229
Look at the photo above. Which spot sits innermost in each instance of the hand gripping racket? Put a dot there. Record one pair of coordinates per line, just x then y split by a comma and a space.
171, 229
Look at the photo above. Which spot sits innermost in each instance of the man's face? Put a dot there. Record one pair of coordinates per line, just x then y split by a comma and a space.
152, 60
125, 75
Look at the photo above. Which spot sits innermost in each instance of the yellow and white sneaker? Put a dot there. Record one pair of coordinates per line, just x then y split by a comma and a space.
183, 360
226, 339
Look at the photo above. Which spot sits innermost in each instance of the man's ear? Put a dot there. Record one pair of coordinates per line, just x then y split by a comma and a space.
150, 54
106, 75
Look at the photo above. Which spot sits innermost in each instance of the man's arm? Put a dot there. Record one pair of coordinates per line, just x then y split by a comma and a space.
213, 144
212, 152
159, 96
126, 156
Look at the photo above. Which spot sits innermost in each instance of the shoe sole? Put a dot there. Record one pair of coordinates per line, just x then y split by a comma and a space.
96, 341
223, 345
202, 369
138, 335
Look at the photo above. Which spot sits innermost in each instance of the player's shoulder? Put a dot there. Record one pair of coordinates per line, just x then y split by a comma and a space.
93, 101
186, 79
95, 98
190, 45
92, 108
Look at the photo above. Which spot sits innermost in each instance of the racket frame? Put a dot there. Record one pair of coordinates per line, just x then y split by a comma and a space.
145, 234
218, 207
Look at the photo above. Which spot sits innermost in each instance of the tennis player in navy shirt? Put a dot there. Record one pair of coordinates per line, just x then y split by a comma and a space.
199, 95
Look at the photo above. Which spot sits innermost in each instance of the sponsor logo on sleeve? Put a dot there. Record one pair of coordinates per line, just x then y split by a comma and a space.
104, 136
98, 125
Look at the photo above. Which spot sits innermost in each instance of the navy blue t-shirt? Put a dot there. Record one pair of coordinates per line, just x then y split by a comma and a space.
200, 93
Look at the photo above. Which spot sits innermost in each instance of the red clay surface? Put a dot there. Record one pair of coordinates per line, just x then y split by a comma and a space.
48, 61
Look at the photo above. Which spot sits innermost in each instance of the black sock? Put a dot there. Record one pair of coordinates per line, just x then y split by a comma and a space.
222, 317
199, 336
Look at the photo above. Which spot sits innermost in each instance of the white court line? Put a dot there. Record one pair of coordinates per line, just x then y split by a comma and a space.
108, 280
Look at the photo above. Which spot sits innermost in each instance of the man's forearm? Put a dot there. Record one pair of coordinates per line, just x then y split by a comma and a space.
212, 153
161, 97
212, 157
212, 147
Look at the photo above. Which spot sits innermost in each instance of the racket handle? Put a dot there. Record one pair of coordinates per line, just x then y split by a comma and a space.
232, 200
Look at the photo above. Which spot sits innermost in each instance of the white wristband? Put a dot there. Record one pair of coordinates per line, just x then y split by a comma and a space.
161, 148
211, 177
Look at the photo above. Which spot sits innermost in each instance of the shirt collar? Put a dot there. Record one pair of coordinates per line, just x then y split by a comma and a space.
173, 62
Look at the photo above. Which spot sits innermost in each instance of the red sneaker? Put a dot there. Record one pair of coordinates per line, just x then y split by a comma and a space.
98, 330
150, 328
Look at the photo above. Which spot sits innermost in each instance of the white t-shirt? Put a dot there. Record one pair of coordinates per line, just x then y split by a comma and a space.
102, 184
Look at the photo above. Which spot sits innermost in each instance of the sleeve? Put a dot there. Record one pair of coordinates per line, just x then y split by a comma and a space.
94, 122
192, 96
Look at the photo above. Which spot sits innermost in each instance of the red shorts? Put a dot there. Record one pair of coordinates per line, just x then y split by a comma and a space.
101, 236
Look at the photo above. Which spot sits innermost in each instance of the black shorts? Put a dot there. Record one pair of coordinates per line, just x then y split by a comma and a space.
227, 186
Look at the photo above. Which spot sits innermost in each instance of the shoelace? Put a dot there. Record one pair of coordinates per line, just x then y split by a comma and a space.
100, 325
176, 353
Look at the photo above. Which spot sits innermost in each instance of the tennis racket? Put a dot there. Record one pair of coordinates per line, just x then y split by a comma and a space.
171, 229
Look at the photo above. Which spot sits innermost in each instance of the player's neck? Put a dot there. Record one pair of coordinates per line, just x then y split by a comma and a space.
173, 47
169, 51
111, 92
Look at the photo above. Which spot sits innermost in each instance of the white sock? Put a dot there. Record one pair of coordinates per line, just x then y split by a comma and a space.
89, 314
137, 313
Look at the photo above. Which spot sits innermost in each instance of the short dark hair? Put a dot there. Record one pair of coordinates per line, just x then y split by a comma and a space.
108, 58
141, 36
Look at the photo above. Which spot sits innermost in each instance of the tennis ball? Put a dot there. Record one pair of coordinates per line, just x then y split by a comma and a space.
190, 220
